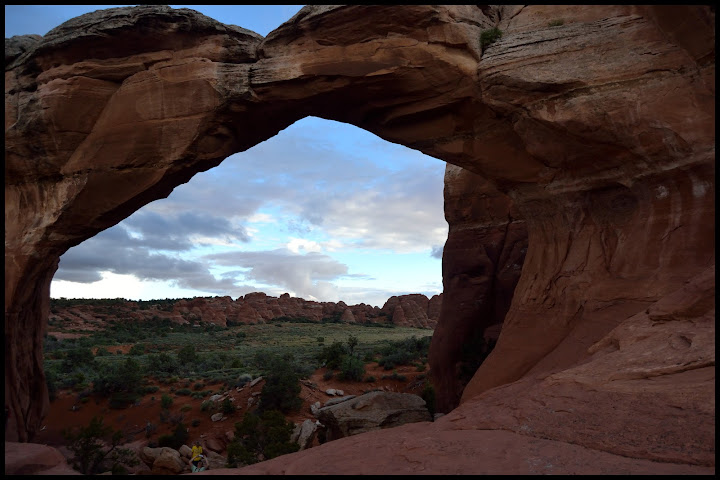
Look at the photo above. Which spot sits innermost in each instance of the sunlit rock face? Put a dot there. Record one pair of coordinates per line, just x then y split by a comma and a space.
592, 127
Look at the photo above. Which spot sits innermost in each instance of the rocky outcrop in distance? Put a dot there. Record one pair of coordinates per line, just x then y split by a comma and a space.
414, 310
589, 127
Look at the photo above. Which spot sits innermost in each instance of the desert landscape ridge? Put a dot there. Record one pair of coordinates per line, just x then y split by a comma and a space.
579, 195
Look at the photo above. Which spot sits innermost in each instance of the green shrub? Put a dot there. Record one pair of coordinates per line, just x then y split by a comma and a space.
186, 408
281, 390
96, 448
175, 440
148, 389
370, 379
428, 394
166, 401
556, 23
195, 422
227, 406
332, 355
163, 364
137, 349
352, 369
187, 355
126, 377
328, 375
207, 406
243, 379
352, 342
488, 37
184, 392
266, 435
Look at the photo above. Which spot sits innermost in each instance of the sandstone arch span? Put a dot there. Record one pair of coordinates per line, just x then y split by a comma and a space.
598, 132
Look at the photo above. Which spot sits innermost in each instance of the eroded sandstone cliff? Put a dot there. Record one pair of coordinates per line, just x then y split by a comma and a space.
591, 128
414, 310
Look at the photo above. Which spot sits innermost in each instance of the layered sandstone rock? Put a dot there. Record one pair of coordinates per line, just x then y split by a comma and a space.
596, 122
414, 310
252, 308
482, 261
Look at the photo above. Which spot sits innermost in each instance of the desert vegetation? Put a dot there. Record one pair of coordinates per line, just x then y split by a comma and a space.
125, 360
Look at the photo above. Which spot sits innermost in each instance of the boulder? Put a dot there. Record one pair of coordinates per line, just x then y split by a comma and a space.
34, 459
304, 434
372, 411
168, 462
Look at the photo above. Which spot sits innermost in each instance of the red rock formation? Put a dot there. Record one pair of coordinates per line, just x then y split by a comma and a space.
482, 261
253, 308
413, 310
596, 121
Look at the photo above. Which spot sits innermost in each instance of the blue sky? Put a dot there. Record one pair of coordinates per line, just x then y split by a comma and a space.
323, 211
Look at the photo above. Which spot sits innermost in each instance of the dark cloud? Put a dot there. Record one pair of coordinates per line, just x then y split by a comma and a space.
437, 251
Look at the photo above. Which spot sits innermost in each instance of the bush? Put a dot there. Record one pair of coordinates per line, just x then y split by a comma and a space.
163, 364
282, 387
428, 394
227, 406
266, 435
352, 342
175, 440
148, 389
352, 368
137, 349
91, 454
126, 377
184, 392
187, 355
243, 379
488, 37
332, 355
166, 401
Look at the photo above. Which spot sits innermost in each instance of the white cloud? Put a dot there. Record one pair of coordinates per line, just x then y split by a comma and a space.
297, 244
294, 204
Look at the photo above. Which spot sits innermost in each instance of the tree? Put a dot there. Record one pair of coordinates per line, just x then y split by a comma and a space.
259, 437
352, 342
332, 355
282, 387
187, 355
126, 377
352, 368
91, 454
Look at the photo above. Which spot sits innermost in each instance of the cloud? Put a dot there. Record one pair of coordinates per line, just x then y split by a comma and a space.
329, 187
307, 275
437, 251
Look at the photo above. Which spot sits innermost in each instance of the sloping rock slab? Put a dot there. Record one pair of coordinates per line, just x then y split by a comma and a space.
372, 411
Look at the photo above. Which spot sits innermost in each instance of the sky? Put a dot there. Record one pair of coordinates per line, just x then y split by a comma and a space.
324, 211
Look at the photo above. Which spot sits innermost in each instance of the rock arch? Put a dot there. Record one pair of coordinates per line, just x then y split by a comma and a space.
597, 134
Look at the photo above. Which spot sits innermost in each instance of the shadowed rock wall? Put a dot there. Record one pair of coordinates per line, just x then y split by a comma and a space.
592, 125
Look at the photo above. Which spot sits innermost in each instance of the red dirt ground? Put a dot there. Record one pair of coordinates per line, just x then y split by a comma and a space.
66, 411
